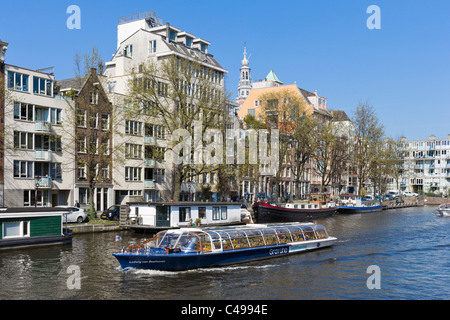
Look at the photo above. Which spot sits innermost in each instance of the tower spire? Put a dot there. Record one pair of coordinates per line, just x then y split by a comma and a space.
245, 82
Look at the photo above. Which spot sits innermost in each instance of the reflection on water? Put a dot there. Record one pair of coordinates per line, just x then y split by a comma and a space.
409, 245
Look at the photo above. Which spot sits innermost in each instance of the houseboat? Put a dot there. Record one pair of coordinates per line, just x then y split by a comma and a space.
318, 206
444, 210
191, 248
157, 216
29, 227
356, 204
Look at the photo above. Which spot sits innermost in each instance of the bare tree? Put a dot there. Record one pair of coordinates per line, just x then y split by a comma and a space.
178, 93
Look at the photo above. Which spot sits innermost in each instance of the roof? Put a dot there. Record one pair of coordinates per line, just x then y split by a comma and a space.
273, 77
339, 115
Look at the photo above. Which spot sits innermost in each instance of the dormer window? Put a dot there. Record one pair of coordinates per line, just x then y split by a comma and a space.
203, 47
188, 42
172, 35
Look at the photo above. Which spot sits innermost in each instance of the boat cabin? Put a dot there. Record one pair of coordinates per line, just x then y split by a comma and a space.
24, 227
184, 214
192, 240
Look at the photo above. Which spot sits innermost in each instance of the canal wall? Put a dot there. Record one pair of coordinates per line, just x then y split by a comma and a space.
92, 228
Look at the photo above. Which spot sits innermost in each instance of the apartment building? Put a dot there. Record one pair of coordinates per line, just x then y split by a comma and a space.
35, 169
143, 39
426, 165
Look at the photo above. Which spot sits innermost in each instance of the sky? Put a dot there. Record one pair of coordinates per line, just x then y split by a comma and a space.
401, 69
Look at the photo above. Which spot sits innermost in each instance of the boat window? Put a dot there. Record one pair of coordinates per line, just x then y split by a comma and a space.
296, 234
239, 239
321, 232
255, 238
226, 241
189, 242
309, 233
284, 236
270, 237
215, 240
205, 242
169, 241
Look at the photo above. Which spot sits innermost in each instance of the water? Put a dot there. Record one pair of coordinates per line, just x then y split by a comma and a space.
410, 247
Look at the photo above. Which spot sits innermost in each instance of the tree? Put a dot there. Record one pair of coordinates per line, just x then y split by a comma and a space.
180, 93
284, 110
369, 133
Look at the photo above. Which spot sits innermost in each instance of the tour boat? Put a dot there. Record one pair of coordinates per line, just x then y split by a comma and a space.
444, 210
267, 212
191, 248
355, 204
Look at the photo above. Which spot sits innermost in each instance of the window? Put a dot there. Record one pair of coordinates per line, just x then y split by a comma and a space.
224, 214
202, 212
16, 229
172, 35
133, 174
81, 118
203, 47
216, 213
93, 97
185, 214
93, 120
128, 51
43, 86
133, 128
23, 169
105, 121
23, 111
18, 81
55, 171
81, 144
83, 195
133, 151
23, 140
81, 171
152, 46
29, 198
55, 116
251, 112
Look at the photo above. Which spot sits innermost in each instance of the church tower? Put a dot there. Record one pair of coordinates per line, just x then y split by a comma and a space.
245, 82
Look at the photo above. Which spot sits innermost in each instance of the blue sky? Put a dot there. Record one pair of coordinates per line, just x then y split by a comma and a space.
403, 69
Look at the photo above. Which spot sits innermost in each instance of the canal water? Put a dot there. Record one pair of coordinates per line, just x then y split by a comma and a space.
392, 254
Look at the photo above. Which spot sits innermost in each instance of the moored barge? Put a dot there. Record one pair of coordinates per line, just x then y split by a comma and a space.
191, 248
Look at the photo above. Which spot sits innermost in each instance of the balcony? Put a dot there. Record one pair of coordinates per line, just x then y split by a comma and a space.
149, 184
150, 140
44, 183
43, 126
45, 155
150, 163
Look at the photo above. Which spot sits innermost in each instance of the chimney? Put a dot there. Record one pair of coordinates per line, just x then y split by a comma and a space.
3, 48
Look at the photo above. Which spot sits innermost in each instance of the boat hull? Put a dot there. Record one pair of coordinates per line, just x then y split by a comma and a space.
266, 213
186, 261
6, 244
343, 209
444, 213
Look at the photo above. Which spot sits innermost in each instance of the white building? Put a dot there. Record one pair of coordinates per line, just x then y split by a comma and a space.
36, 169
426, 165
142, 38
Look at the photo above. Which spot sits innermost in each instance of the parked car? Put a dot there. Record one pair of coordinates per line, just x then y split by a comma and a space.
410, 194
75, 215
112, 213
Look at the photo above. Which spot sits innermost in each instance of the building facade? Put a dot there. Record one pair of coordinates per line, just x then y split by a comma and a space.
426, 166
36, 169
